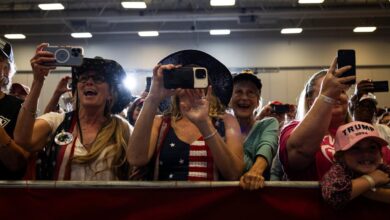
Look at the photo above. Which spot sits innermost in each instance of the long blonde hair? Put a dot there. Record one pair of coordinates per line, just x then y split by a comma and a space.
307, 93
216, 108
307, 96
116, 133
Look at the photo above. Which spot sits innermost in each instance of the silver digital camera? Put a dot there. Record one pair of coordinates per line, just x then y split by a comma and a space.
65, 55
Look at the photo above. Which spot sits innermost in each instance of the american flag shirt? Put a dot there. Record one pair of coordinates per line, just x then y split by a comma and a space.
182, 161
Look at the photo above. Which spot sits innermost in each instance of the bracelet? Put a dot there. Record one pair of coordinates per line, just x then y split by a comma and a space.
33, 113
328, 99
211, 135
371, 181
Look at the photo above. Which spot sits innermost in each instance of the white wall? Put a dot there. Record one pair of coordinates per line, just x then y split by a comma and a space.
138, 56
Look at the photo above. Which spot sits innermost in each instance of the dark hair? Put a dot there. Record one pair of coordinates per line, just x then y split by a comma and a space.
139, 102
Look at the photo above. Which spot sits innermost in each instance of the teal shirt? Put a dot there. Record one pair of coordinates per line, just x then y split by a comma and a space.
262, 140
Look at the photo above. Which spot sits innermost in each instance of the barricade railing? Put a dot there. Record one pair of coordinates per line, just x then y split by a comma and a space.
174, 200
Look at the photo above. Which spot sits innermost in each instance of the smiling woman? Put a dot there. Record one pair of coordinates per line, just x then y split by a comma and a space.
86, 144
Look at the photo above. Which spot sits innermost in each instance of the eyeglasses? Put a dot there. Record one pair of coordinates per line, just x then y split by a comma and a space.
97, 78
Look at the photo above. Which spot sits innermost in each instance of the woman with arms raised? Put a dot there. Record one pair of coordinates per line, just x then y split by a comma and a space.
195, 139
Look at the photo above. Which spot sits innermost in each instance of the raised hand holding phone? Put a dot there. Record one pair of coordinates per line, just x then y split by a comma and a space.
65, 55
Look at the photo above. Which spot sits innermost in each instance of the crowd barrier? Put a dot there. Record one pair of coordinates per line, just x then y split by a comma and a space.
174, 200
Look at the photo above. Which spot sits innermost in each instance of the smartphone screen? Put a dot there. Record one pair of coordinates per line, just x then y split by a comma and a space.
347, 58
380, 86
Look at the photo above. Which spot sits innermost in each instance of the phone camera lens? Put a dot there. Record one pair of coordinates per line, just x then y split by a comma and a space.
200, 73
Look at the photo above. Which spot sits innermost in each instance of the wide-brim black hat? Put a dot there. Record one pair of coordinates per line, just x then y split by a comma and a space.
219, 76
114, 74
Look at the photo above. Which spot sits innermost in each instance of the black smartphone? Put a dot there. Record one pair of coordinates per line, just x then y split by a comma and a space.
186, 78
380, 86
65, 56
148, 83
280, 109
347, 58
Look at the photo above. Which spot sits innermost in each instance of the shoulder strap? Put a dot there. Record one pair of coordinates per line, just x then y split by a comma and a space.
47, 158
164, 128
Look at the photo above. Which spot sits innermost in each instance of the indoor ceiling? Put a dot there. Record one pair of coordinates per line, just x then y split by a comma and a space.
175, 18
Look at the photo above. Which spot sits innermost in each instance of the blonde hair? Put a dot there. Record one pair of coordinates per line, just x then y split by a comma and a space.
307, 94
116, 133
216, 108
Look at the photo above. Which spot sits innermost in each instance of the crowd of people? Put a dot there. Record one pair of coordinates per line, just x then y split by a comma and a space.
217, 132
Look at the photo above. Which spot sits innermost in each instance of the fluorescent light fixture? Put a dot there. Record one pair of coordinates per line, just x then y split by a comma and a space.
148, 33
310, 1
220, 32
291, 30
222, 2
15, 36
51, 6
364, 29
81, 35
134, 5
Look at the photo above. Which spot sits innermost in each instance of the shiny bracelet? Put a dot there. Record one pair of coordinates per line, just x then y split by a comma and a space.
328, 99
371, 181
211, 135
33, 113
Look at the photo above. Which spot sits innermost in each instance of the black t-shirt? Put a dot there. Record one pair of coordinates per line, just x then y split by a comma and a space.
9, 110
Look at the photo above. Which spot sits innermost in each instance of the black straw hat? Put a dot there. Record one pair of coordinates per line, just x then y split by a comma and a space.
113, 72
220, 77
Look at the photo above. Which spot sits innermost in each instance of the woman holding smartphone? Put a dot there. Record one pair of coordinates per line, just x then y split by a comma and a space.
195, 139
306, 146
88, 143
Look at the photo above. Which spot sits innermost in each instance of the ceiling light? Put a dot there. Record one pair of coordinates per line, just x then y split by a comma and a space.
364, 29
81, 35
148, 33
134, 4
15, 36
220, 32
222, 2
291, 30
51, 6
310, 1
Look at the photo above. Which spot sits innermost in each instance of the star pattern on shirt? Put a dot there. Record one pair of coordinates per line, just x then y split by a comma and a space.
181, 161
172, 145
171, 176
